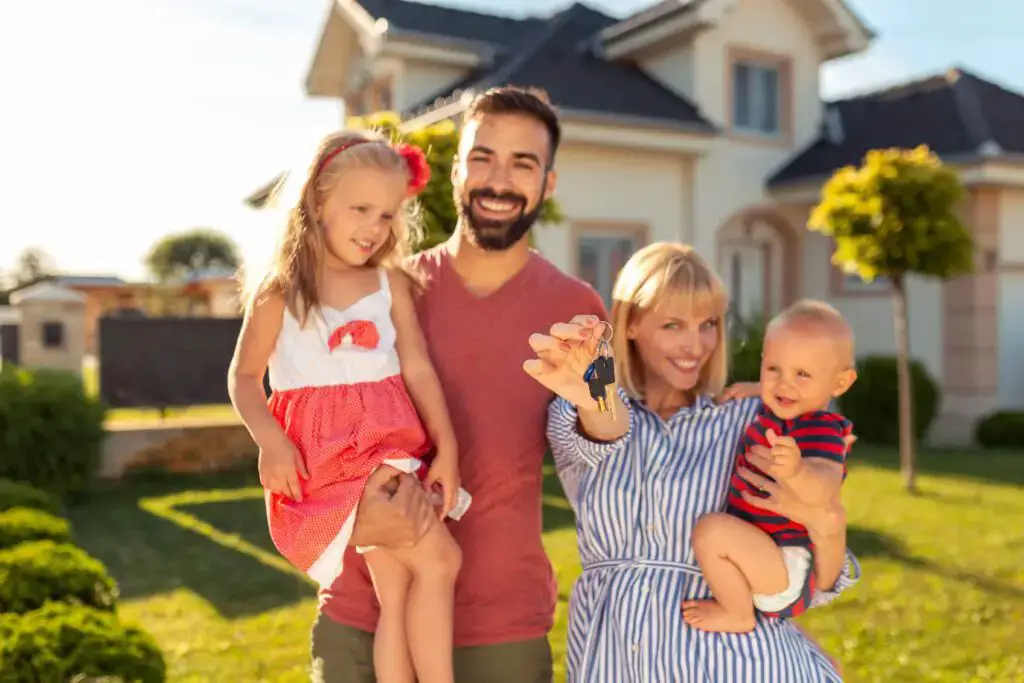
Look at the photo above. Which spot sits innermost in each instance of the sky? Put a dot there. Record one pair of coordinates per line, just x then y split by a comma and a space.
126, 120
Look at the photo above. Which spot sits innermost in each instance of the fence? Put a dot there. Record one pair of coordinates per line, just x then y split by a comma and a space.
166, 362
9, 344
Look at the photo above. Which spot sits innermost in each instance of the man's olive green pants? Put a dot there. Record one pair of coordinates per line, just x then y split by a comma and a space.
342, 654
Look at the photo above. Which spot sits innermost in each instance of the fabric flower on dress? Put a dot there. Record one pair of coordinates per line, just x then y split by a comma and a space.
362, 332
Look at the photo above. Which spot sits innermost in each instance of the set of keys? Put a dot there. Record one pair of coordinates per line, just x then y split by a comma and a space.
600, 375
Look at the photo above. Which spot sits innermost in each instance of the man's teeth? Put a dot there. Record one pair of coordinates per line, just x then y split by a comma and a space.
493, 205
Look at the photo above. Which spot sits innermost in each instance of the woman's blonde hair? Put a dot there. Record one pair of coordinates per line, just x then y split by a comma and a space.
654, 275
296, 266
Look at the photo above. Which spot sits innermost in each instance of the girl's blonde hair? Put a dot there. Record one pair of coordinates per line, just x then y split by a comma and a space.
654, 275
296, 265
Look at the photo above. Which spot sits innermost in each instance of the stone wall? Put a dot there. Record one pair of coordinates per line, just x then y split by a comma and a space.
175, 447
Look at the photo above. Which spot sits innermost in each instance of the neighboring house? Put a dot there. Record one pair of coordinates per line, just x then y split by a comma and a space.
213, 293
701, 121
103, 295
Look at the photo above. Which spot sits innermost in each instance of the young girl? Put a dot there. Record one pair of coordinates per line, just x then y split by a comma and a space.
349, 370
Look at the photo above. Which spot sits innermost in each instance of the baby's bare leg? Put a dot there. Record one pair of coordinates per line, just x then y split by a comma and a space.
737, 559
391, 580
434, 563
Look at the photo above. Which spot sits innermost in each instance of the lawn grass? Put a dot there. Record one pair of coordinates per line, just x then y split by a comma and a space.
941, 599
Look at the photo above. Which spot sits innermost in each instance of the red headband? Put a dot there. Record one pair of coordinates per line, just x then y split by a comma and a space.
415, 161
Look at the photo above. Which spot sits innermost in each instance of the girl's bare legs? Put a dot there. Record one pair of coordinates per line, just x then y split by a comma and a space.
737, 560
434, 564
391, 580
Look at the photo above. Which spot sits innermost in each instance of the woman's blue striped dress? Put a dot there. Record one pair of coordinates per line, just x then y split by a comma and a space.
636, 501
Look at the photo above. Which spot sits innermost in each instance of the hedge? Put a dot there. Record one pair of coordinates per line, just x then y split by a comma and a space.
34, 573
52, 431
19, 525
16, 494
1001, 429
872, 403
60, 642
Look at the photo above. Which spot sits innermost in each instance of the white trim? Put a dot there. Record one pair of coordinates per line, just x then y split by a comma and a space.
853, 37
430, 53
646, 37
636, 138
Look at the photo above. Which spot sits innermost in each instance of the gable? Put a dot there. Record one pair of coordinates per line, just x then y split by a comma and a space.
836, 29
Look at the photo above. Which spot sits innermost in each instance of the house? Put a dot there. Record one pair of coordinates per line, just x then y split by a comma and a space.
701, 121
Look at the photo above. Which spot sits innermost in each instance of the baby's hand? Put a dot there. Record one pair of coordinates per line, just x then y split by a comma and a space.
785, 454
444, 470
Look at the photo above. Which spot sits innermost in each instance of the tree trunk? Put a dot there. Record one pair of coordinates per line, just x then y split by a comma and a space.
906, 398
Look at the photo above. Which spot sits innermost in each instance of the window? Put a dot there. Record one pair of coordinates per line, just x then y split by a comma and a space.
600, 255
53, 335
756, 98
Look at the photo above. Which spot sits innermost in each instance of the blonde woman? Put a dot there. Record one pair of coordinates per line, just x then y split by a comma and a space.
640, 480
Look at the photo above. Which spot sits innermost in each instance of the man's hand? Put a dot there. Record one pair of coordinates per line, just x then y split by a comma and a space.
396, 520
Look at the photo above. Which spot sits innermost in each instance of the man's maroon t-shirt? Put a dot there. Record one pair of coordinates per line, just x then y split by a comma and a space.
506, 590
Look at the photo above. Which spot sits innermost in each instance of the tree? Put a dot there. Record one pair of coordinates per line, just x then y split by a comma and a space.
895, 215
439, 142
187, 253
33, 265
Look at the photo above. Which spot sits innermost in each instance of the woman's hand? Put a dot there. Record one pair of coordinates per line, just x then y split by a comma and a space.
740, 390
563, 356
281, 465
783, 500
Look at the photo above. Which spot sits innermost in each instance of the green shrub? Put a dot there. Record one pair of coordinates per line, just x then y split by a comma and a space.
61, 642
872, 403
34, 573
1001, 429
16, 494
746, 342
52, 432
20, 525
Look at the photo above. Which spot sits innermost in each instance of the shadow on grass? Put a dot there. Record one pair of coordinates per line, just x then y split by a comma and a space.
869, 543
150, 554
999, 467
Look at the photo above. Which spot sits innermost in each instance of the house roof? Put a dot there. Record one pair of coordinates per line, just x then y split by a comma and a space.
46, 291
558, 56
90, 281
959, 115
419, 17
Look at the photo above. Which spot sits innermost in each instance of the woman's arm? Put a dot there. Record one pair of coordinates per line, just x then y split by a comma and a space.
575, 453
836, 568
417, 370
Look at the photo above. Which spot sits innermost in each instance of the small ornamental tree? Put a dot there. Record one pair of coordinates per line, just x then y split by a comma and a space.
895, 215
440, 143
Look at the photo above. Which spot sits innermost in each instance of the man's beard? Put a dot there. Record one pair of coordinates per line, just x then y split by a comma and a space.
495, 235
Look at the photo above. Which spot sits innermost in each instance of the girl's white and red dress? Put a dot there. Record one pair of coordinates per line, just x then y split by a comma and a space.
338, 393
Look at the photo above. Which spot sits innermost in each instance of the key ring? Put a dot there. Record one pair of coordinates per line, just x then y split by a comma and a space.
608, 328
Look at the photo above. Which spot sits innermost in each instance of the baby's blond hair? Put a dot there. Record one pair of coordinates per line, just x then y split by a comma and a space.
819, 316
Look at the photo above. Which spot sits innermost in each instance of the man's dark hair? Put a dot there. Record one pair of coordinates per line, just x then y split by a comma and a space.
510, 99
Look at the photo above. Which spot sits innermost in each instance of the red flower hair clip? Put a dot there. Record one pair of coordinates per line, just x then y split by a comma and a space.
419, 169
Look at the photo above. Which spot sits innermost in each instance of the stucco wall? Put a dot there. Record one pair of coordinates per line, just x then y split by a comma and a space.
418, 80
610, 187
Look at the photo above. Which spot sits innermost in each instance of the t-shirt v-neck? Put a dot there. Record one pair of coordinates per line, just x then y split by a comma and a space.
509, 287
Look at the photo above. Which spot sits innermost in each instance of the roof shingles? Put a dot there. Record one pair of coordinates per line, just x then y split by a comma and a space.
555, 56
954, 114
